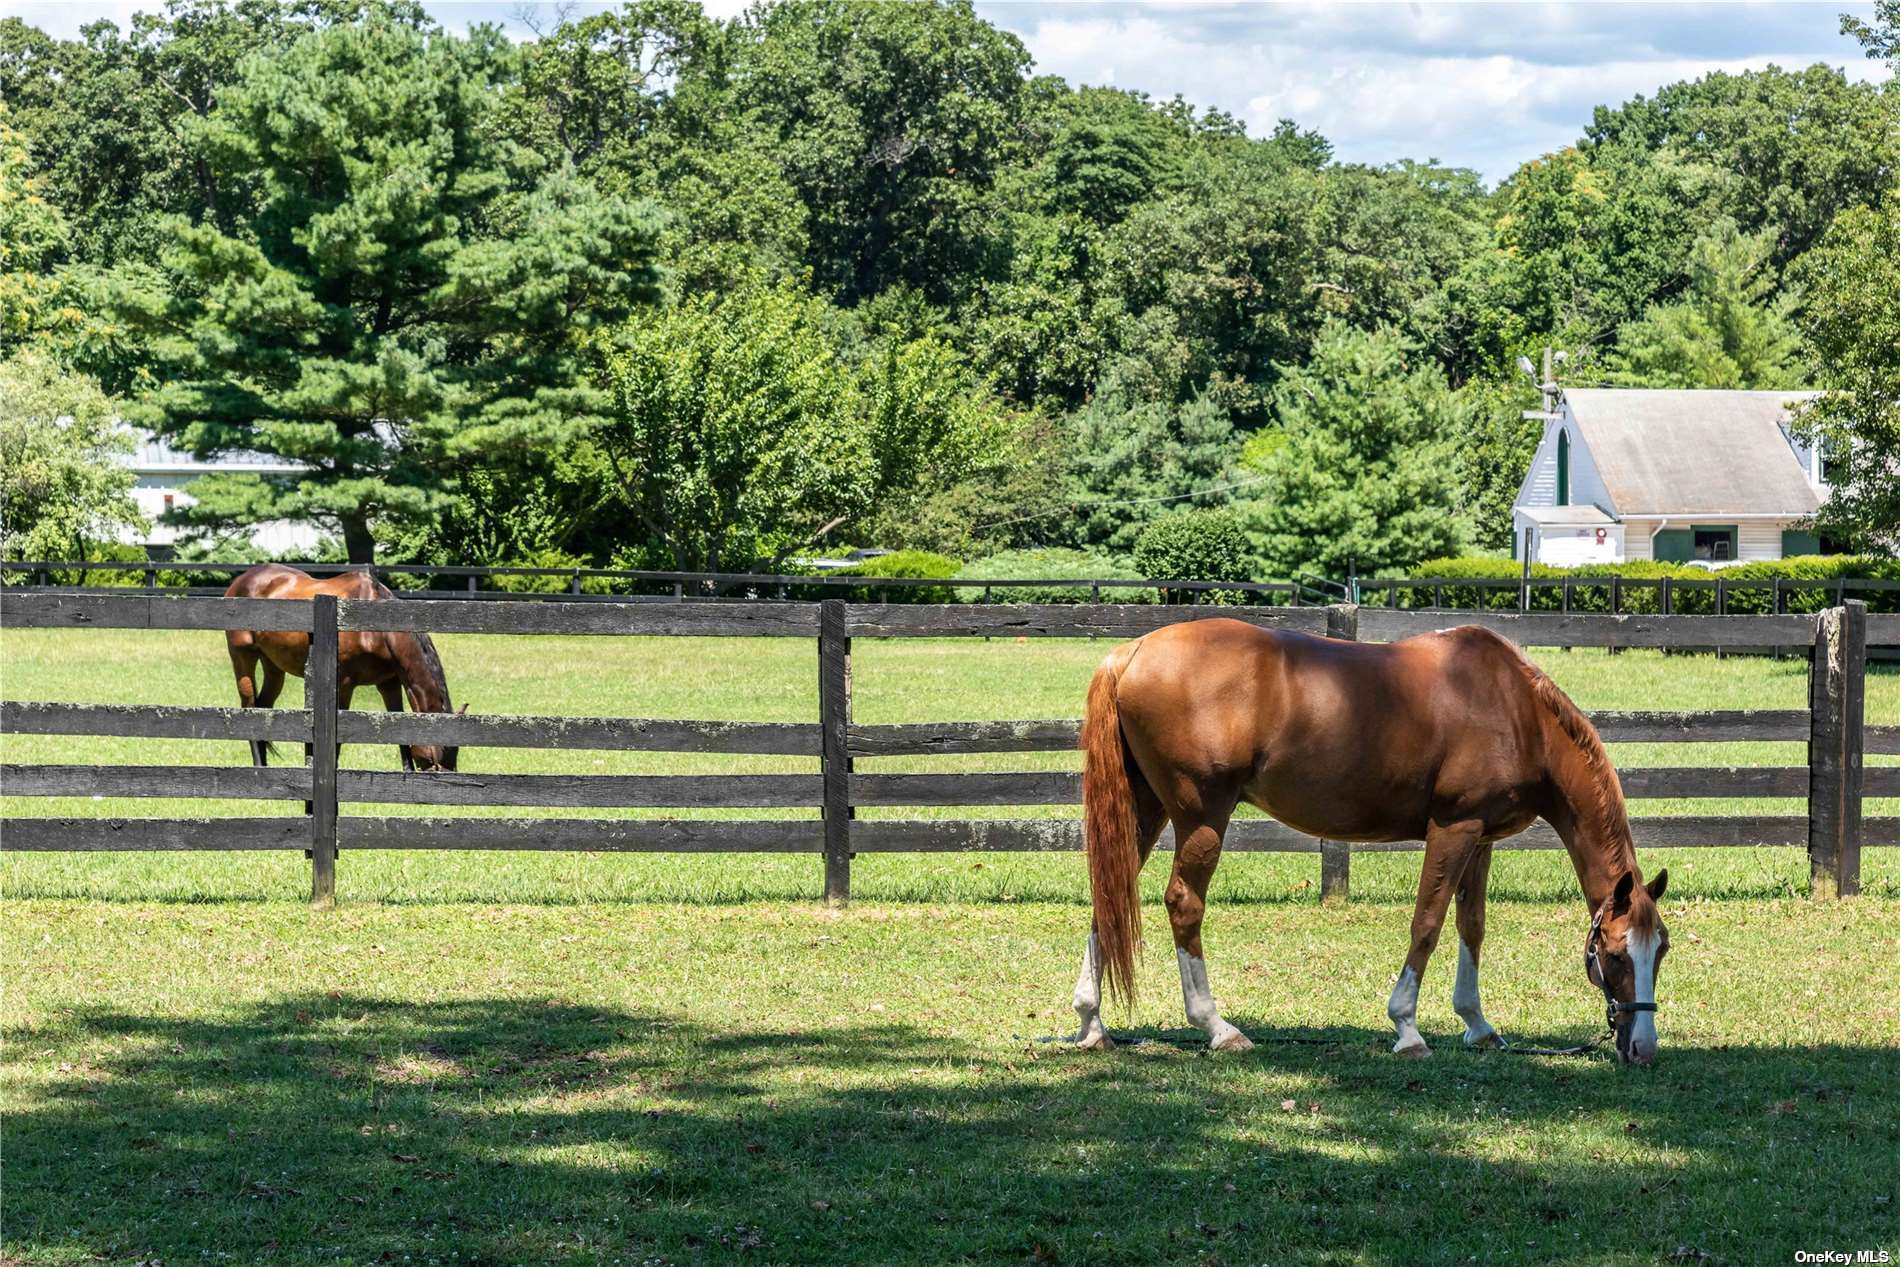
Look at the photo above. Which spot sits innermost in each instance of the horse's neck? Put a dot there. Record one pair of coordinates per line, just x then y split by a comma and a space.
1591, 820
421, 676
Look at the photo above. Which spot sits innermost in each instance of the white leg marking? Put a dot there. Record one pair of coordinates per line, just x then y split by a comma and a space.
1403, 1009
1464, 1001
1201, 1010
1088, 1000
1642, 950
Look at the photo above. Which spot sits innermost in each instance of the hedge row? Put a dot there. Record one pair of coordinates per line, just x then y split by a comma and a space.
1641, 593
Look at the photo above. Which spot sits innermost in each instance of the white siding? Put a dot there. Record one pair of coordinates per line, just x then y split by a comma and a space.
1636, 541
1586, 484
1758, 540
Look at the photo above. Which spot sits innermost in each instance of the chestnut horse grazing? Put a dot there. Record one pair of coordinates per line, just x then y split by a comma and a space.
1453, 738
390, 662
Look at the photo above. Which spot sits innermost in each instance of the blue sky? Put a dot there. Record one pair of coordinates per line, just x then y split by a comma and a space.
1477, 85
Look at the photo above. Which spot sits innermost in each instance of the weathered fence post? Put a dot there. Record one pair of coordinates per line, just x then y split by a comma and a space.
834, 721
319, 688
1837, 687
1335, 856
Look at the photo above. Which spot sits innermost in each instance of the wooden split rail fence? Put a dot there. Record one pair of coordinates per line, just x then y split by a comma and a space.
1833, 781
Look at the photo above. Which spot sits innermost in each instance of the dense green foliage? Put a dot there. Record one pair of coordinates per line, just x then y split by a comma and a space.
61, 491
1366, 479
492, 293
1194, 545
1748, 594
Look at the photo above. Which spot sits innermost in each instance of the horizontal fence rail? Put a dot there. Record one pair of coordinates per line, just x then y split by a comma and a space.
1833, 782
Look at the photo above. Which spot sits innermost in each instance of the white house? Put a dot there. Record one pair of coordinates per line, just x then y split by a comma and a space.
161, 475
1677, 476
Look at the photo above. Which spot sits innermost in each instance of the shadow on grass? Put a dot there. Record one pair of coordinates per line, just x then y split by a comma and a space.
356, 1129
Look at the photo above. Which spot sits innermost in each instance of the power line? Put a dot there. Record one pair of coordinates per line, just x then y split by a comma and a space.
1124, 501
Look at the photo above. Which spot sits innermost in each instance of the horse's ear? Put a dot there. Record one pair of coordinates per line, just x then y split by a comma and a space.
462, 711
1657, 886
1620, 899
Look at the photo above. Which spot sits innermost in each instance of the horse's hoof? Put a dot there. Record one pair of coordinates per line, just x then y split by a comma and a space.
1415, 1050
1233, 1040
1478, 1038
1098, 1041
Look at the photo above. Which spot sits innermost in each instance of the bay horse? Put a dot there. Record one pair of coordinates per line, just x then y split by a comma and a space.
1454, 738
390, 662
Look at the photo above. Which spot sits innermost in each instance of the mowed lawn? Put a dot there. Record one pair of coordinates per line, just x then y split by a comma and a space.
511, 1058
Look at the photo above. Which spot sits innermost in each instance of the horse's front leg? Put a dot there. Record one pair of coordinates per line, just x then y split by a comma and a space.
392, 701
1448, 851
1464, 993
1197, 847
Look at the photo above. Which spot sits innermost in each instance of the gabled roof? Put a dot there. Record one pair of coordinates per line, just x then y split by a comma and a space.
155, 455
1694, 452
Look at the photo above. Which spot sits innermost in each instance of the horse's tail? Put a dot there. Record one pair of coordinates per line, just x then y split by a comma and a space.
1109, 830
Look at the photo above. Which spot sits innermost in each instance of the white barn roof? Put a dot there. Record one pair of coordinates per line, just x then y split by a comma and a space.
1694, 452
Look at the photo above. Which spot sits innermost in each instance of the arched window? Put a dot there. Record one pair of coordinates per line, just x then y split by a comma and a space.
1563, 468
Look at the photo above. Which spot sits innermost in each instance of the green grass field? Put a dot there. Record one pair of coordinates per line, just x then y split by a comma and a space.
510, 1058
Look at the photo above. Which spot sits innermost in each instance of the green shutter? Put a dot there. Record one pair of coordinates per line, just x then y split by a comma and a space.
1796, 542
1675, 545
1563, 468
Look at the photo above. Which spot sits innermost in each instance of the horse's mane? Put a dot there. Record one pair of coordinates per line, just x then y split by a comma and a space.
425, 647
1612, 815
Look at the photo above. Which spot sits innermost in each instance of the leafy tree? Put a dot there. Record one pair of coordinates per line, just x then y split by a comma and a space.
63, 485
1194, 545
33, 237
1367, 478
1494, 452
1786, 151
402, 297
1135, 461
1881, 37
734, 435
891, 121
113, 114
1852, 319
1731, 329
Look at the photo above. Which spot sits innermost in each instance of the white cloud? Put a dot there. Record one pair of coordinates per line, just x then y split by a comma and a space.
1481, 85
1477, 85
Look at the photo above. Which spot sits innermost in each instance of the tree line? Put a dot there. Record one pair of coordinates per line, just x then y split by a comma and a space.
657, 290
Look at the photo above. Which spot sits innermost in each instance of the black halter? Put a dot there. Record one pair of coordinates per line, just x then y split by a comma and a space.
1612, 1006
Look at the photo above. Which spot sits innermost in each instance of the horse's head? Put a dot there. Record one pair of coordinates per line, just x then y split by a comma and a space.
432, 759
1622, 954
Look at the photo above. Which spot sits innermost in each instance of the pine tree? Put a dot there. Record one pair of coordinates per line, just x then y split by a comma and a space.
1729, 330
1367, 476
409, 293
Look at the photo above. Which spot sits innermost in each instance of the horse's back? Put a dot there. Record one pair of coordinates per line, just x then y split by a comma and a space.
280, 580
1347, 739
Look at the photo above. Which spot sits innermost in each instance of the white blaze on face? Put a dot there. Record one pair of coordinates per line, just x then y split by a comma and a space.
1642, 952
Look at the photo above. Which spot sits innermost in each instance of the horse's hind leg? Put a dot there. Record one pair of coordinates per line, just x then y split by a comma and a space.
1197, 845
244, 659
1149, 818
1464, 994
1449, 850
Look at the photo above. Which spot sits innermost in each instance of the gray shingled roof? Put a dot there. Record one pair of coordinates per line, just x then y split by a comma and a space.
1694, 452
